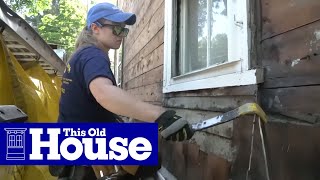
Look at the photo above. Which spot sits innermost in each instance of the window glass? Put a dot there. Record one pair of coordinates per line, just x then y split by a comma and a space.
203, 40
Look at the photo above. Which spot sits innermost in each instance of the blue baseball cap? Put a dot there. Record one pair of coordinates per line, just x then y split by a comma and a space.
109, 12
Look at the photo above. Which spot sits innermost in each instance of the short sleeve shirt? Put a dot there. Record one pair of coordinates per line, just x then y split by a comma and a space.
77, 104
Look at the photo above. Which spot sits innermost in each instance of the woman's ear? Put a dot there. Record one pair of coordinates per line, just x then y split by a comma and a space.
95, 28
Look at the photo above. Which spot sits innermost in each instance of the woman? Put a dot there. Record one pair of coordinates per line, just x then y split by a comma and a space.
89, 91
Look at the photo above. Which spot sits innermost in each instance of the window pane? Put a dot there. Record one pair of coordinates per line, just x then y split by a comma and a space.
219, 38
196, 35
202, 22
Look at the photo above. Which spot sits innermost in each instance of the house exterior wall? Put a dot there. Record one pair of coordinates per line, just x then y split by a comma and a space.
234, 150
143, 51
289, 53
209, 154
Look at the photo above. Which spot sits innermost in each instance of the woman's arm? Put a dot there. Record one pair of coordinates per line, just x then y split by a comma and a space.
120, 102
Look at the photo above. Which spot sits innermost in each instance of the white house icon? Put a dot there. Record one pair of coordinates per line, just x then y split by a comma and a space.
15, 143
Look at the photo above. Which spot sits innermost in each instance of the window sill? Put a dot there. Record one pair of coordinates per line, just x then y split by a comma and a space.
216, 70
249, 77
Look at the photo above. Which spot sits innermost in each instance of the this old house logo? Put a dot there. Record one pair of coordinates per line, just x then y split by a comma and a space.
15, 143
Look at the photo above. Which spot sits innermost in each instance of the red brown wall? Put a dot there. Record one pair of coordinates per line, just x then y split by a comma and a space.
289, 52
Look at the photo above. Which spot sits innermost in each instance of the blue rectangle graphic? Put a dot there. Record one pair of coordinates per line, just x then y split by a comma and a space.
78, 144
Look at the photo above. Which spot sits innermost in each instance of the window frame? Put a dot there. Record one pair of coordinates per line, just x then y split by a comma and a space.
235, 72
118, 65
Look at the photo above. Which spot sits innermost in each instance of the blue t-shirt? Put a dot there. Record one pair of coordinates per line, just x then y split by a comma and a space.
77, 104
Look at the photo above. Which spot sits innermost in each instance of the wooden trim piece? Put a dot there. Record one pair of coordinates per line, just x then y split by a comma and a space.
214, 104
235, 79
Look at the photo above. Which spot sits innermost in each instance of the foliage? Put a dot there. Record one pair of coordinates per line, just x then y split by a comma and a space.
29, 7
62, 28
57, 21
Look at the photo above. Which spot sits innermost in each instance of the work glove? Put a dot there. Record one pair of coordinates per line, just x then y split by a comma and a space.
172, 127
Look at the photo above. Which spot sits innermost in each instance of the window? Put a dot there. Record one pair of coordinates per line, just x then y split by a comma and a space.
12, 141
19, 141
206, 45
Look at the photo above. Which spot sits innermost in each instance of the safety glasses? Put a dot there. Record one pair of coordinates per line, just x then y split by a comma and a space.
117, 29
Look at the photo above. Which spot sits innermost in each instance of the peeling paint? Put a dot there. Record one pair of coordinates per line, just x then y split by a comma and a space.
277, 100
295, 62
317, 34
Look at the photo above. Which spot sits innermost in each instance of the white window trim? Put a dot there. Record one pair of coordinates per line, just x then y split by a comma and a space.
232, 73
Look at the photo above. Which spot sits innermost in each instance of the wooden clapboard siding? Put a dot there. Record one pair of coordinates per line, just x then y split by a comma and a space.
282, 82
143, 51
290, 50
144, 14
301, 103
289, 53
295, 53
155, 43
153, 26
151, 93
149, 63
281, 16
129, 5
154, 76
290, 38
